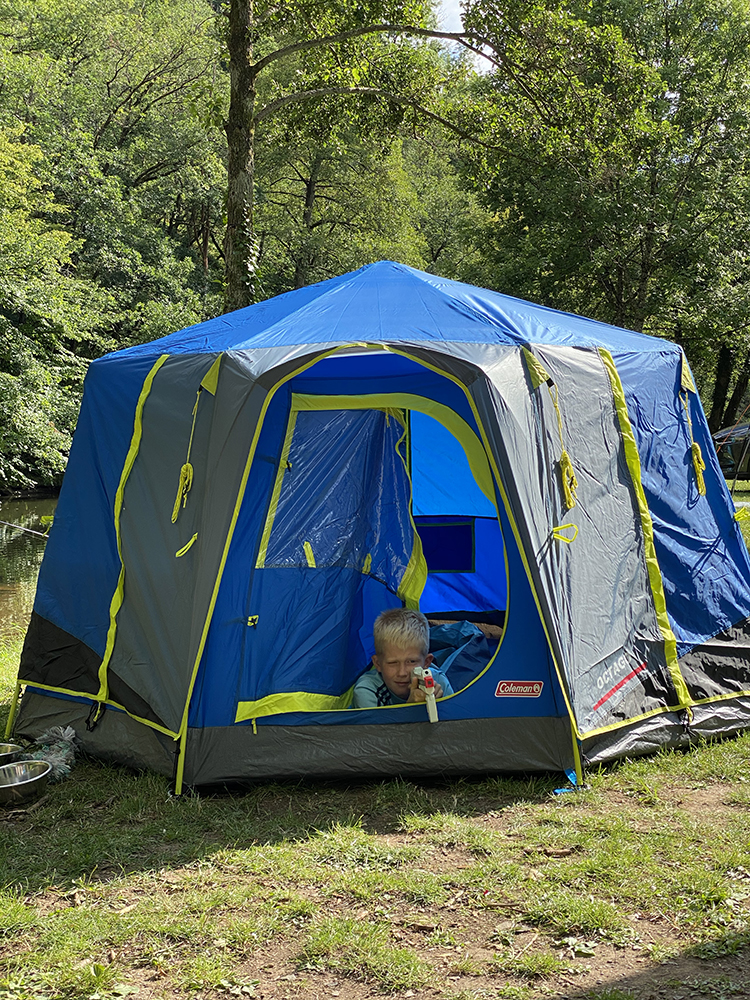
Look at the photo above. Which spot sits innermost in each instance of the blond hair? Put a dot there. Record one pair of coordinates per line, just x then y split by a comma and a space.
401, 627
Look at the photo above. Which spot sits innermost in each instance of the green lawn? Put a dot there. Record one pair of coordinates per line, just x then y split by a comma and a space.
464, 890
637, 887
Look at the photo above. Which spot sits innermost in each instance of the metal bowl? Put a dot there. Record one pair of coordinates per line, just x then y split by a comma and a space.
23, 780
9, 752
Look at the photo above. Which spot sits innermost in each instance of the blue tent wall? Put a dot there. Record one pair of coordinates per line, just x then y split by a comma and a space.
696, 537
523, 656
337, 533
78, 602
444, 488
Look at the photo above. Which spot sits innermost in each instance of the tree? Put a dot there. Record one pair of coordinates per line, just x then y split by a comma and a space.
39, 304
109, 180
122, 100
339, 50
450, 222
120, 109
622, 188
330, 206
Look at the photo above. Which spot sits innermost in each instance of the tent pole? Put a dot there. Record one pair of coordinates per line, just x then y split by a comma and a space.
13, 710
180, 768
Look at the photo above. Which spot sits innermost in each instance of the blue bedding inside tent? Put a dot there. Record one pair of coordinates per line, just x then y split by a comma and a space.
461, 650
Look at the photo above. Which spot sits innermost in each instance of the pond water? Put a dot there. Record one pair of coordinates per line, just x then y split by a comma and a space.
22, 544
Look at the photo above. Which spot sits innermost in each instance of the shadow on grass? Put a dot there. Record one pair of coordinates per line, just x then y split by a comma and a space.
104, 821
719, 970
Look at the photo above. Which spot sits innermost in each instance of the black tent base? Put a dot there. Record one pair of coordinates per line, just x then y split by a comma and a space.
116, 738
238, 754
412, 750
675, 730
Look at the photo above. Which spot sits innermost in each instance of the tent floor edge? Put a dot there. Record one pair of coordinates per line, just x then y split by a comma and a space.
713, 720
117, 739
230, 754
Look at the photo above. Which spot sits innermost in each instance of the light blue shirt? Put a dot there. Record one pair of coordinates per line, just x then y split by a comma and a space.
371, 691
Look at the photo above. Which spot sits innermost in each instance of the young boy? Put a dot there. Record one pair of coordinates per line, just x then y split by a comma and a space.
402, 642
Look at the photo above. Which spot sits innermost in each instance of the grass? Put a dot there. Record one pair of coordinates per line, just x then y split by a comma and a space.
741, 494
363, 948
490, 889
11, 641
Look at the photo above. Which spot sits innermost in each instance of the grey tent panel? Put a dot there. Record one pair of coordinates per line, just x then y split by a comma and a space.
474, 746
158, 585
117, 737
601, 638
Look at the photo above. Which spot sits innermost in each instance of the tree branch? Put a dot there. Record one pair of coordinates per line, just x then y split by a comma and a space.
304, 95
376, 29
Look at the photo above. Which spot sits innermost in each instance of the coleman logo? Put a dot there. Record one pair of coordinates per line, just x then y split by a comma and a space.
519, 689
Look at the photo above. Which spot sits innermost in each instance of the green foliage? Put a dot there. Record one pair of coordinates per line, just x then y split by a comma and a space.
28, 246
113, 167
316, 181
41, 305
618, 164
109, 177
328, 208
600, 164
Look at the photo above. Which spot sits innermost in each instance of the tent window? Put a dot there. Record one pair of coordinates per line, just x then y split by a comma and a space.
342, 496
447, 543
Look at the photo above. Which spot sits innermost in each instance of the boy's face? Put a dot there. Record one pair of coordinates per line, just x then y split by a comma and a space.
396, 664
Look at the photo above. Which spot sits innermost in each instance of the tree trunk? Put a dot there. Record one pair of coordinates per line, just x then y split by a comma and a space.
724, 368
743, 379
241, 251
239, 245
205, 234
305, 259
648, 243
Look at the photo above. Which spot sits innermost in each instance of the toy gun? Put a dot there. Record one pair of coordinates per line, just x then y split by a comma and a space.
427, 684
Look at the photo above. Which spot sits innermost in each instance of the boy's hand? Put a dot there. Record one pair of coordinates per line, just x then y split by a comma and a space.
416, 694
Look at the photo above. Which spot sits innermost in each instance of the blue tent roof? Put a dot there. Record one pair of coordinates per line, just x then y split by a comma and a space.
392, 302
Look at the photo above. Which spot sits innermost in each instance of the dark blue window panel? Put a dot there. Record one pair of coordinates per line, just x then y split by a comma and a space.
448, 543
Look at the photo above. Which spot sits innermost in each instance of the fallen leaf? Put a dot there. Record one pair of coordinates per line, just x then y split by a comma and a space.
126, 909
419, 925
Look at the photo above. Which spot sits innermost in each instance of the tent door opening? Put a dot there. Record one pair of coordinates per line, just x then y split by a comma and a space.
339, 545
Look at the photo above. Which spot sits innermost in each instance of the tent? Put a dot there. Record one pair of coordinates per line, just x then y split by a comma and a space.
243, 497
733, 448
